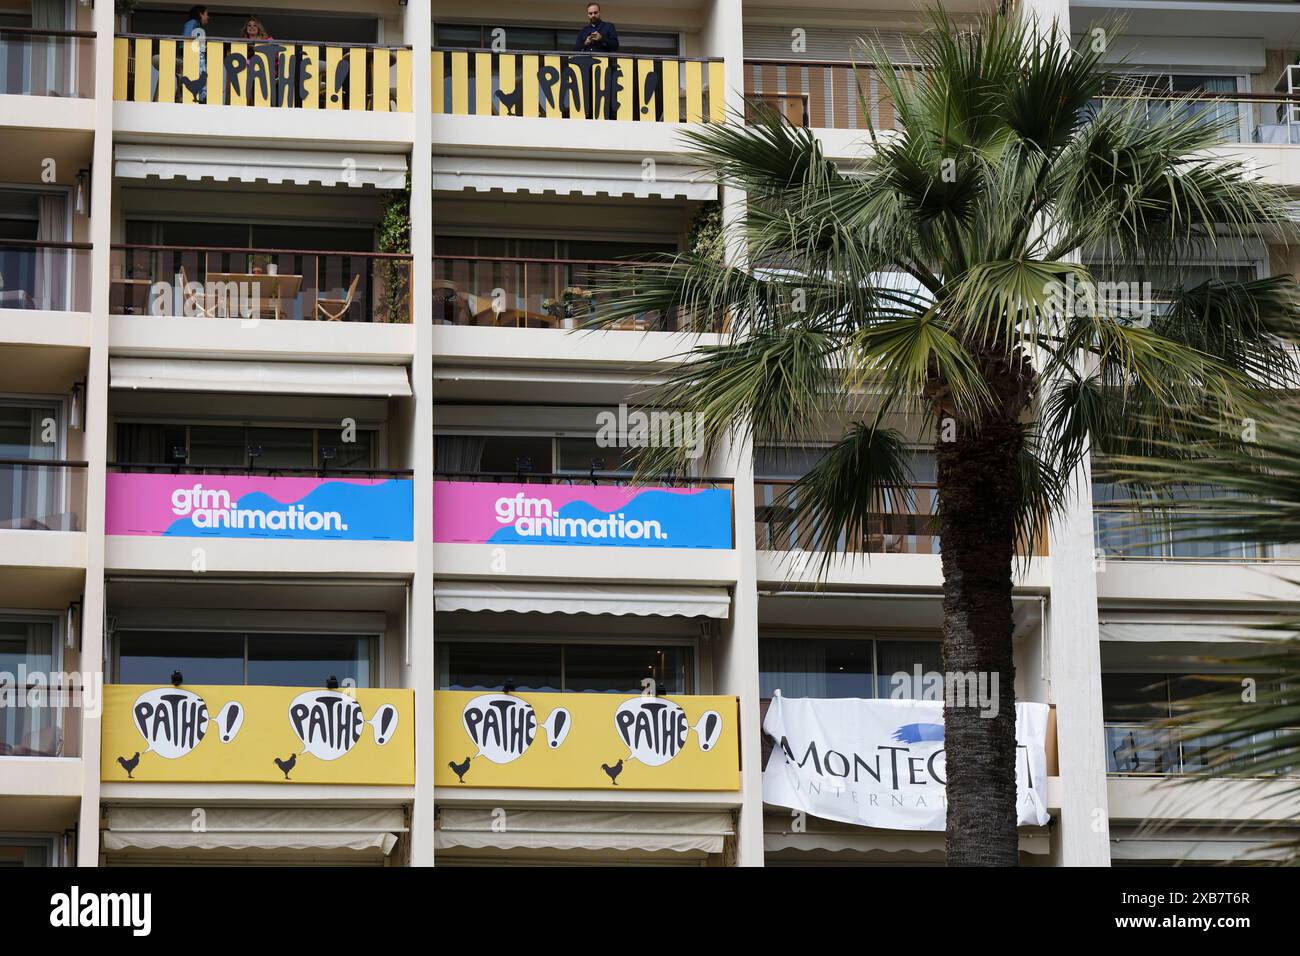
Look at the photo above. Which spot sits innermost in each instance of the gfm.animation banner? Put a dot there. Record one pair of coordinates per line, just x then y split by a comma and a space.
880, 763
247, 734
609, 515
585, 741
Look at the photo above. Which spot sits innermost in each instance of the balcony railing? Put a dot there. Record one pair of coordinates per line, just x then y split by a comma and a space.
1131, 534
42, 495
220, 282
1263, 118
35, 274
270, 471
645, 89
1144, 748
278, 73
892, 531
47, 62
32, 721
528, 293
821, 94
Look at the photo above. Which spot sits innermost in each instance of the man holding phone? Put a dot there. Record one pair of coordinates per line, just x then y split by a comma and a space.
597, 36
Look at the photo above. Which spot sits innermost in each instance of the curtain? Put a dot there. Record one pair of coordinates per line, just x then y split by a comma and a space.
50, 72
903, 657
458, 453
794, 666
28, 731
51, 284
141, 444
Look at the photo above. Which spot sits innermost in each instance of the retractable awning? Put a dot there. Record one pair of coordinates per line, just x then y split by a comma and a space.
1229, 630
646, 600
564, 177
823, 836
303, 167
279, 378
680, 831
254, 828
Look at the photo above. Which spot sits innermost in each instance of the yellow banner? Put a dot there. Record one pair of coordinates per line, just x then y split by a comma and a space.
585, 741
243, 734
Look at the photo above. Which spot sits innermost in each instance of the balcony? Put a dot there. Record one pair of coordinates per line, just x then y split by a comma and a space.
578, 86
1266, 119
42, 495
57, 63
532, 293
1138, 748
1130, 534
890, 532
286, 75
40, 275
294, 284
821, 94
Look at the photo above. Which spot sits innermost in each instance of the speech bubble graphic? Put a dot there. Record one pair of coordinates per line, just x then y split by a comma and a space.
328, 723
557, 726
230, 720
384, 723
503, 727
172, 721
708, 729
654, 729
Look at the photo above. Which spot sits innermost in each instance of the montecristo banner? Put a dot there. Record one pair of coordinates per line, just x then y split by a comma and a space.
244, 734
585, 741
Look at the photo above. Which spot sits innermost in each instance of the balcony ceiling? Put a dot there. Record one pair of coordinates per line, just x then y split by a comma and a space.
1278, 23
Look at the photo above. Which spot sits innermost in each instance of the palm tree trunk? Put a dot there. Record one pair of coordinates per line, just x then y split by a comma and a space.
978, 486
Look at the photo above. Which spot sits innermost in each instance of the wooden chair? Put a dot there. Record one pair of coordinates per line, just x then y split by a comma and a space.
192, 299
333, 310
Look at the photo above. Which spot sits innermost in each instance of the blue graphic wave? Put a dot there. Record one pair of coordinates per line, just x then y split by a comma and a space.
378, 512
699, 520
916, 733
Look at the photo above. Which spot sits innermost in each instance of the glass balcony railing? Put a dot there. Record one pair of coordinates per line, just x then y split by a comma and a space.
645, 89
528, 293
33, 724
821, 94
35, 274
42, 495
275, 73
1128, 533
47, 62
1139, 748
201, 282
1262, 118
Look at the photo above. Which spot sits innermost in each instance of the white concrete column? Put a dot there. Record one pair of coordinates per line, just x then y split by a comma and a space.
418, 31
96, 425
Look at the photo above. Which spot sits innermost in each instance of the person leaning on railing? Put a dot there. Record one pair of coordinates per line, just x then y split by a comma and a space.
197, 25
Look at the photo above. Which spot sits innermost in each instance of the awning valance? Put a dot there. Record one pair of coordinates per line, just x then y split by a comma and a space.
304, 167
681, 831
1201, 632
565, 177
254, 828
646, 600
826, 837
279, 378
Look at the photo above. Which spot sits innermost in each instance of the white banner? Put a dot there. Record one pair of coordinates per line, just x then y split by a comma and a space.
880, 763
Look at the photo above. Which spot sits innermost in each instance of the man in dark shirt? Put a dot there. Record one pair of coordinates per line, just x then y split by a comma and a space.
597, 36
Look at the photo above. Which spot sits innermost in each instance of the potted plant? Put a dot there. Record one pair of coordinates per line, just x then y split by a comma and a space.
573, 306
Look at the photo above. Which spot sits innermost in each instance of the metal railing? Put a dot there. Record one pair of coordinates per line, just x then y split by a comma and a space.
1144, 748
646, 89
1132, 534
172, 468
823, 94
42, 494
226, 282
528, 293
285, 74
1262, 118
36, 274
47, 62
617, 479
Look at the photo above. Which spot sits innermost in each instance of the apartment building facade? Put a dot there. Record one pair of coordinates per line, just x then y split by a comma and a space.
262, 525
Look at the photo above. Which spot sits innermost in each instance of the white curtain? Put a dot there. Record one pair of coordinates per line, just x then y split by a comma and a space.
51, 264
457, 453
50, 67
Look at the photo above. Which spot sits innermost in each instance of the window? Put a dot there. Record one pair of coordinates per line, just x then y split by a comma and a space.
264, 658
581, 668
508, 454
240, 446
20, 851
29, 645
827, 667
1124, 530
1162, 92
463, 36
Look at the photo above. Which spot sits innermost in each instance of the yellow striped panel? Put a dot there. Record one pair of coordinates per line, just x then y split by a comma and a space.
403, 60
190, 59
143, 68
310, 76
260, 97
380, 81
240, 98
717, 93
333, 57
578, 105
167, 72
121, 58
694, 91
439, 82
672, 91
647, 111
627, 88
460, 83
357, 78
216, 71
551, 64
482, 84
507, 82
529, 67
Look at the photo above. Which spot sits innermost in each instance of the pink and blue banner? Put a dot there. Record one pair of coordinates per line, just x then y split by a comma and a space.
469, 512
236, 506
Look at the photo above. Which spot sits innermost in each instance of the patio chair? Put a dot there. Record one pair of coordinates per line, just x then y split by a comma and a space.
192, 300
333, 310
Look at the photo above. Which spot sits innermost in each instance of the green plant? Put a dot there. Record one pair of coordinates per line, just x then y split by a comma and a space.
395, 237
705, 238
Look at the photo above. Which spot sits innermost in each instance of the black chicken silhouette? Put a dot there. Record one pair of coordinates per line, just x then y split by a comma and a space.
460, 769
287, 765
613, 771
129, 765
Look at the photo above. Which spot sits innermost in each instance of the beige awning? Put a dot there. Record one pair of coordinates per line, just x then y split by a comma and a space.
1228, 630
566, 177
828, 836
253, 828
681, 831
646, 600
222, 164
276, 378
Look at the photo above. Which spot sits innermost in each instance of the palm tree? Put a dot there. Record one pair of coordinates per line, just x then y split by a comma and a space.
933, 279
